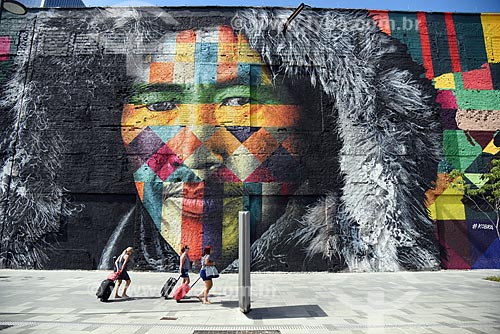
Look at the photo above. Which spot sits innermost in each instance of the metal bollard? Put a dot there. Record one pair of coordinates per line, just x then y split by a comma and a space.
244, 261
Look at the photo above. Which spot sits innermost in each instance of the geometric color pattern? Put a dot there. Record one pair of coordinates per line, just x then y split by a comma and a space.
461, 55
202, 136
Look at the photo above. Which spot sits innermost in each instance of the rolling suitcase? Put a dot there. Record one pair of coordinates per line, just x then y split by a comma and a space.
105, 290
183, 290
107, 286
169, 286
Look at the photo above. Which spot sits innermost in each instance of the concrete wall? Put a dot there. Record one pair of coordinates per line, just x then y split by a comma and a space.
153, 127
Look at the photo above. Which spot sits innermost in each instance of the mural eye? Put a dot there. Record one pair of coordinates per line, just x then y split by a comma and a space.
162, 106
235, 101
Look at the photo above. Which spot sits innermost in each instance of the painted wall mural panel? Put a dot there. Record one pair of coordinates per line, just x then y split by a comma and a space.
153, 127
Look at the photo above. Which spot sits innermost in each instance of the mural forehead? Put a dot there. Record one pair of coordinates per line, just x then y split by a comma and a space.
329, 134
208, 56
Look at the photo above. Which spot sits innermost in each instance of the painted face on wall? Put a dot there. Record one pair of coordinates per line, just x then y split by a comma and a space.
209, 133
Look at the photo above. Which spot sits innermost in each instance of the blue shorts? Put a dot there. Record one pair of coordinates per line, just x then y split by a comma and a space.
203, 275
184, 273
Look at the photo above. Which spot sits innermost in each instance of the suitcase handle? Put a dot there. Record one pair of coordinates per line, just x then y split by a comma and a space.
195, 282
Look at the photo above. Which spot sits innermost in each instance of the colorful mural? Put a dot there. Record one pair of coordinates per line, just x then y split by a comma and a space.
461, 55
153, 127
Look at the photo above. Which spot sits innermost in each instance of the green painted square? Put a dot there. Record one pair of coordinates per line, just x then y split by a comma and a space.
458, 150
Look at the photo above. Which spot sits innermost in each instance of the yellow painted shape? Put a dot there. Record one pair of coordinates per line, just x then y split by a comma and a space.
245, 53
444, 81
442, 183
171, 221
233, 115
491, 148
227, 53
491, 33
448, 206
266, 76
136, 118
230, 219
184, 52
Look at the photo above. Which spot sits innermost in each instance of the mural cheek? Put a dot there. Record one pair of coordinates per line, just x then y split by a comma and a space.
233, 116
136, 118
274, 115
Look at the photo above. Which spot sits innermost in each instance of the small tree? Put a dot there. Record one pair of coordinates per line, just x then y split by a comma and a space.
486, 198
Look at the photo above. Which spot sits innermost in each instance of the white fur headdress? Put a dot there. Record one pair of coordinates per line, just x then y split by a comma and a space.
388, 125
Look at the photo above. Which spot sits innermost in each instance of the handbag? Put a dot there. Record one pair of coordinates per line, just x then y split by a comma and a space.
114, 275
211, 272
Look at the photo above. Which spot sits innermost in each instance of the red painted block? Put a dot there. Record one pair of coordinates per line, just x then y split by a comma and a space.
426, 45
4, 48
478, 79
447, 99
452, 42
192, 218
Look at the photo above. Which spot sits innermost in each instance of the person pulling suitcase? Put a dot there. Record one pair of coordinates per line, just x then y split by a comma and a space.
121, 266
185, 265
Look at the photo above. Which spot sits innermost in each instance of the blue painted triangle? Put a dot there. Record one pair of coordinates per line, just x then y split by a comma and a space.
490, 258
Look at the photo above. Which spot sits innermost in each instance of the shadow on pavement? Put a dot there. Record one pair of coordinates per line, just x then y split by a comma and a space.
278, 312
189, 300
140, 298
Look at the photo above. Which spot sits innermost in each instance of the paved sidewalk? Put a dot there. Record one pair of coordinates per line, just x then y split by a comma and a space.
420, 302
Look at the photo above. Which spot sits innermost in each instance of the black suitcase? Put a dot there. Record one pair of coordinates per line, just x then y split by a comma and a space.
169, 286
105, 290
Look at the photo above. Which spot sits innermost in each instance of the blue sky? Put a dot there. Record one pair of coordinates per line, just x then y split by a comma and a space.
460, 6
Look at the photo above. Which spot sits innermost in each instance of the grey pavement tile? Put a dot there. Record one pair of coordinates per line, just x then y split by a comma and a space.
478, 330
459, 318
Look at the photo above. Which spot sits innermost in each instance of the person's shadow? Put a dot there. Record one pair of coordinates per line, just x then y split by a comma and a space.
119, 300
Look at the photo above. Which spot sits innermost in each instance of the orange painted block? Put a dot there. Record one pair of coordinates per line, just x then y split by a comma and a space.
140, 190
271, 115
186, 36
184, 143
261, 144
222, 142
161, 72
381, 17
226, 35
227, 72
